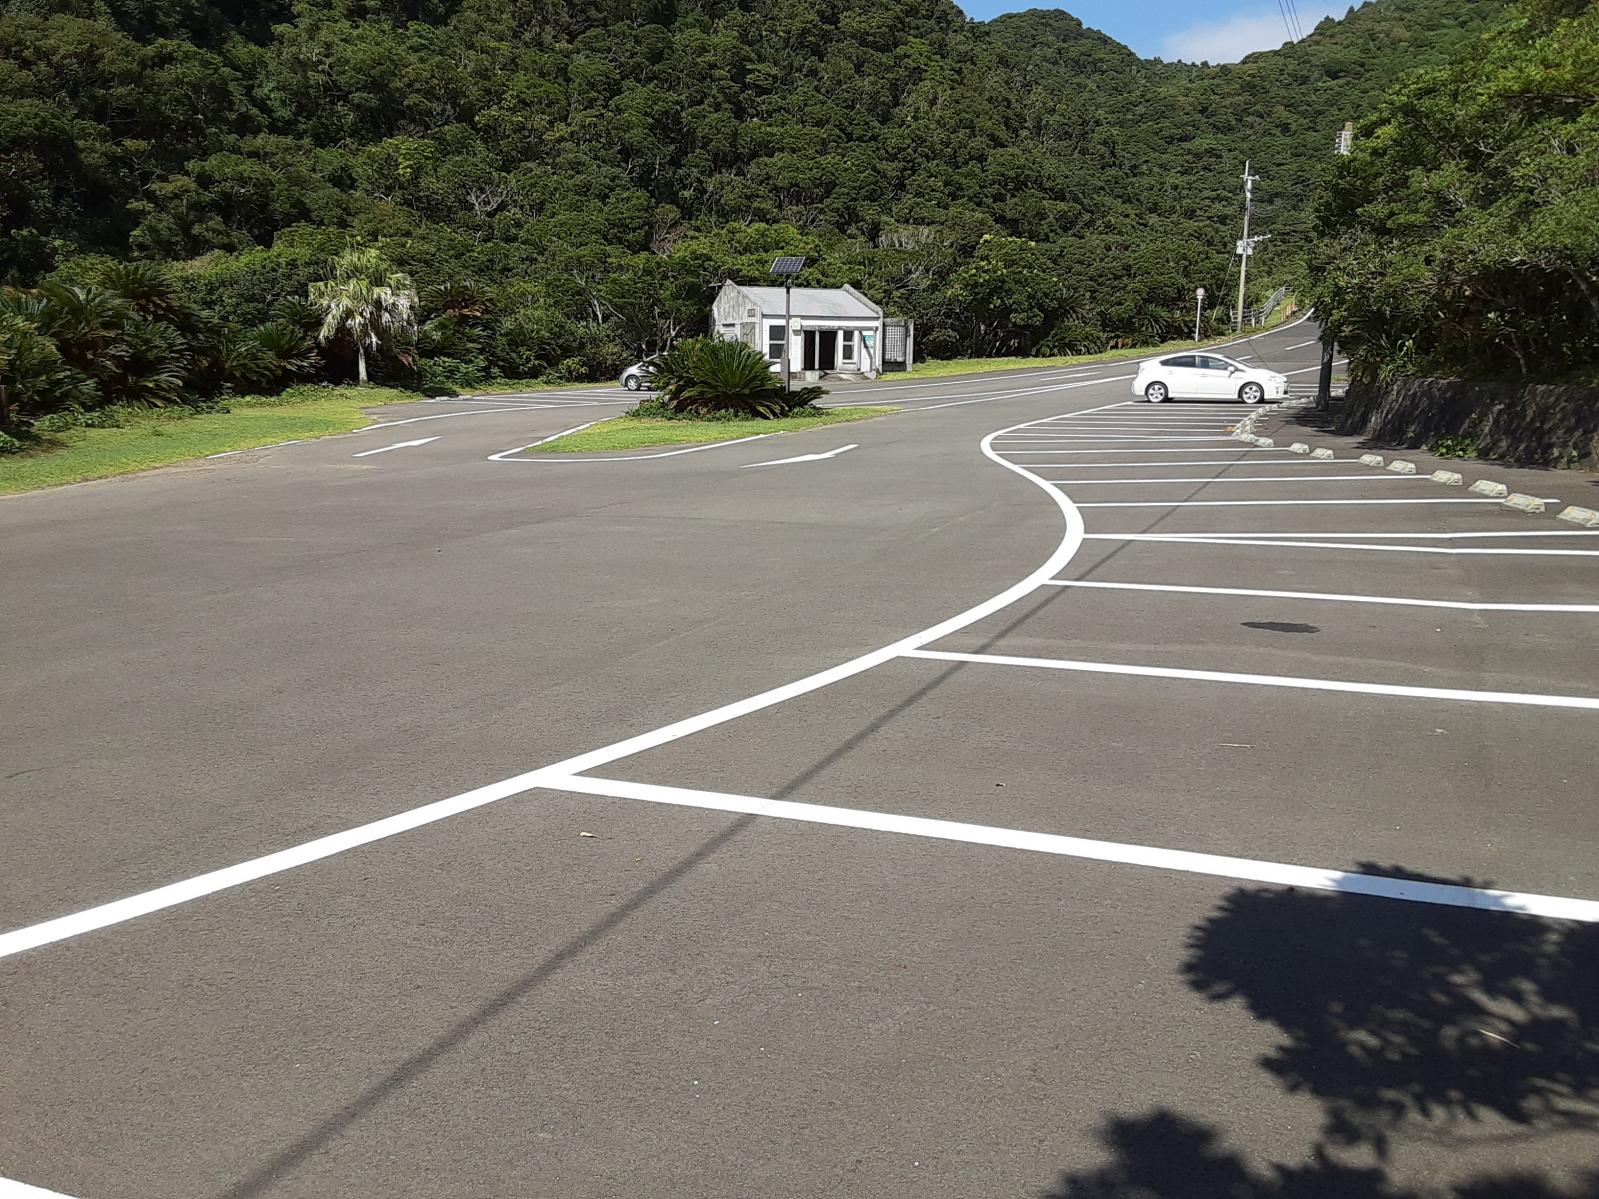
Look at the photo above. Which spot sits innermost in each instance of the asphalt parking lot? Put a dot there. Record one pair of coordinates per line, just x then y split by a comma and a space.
1051, 796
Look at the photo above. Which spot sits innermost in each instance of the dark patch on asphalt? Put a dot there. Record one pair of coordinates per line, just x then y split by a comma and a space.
1281, 626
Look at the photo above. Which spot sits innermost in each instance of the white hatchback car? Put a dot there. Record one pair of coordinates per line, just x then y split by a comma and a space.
1206, 377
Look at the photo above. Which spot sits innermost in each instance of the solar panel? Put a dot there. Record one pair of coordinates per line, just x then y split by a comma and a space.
788, 265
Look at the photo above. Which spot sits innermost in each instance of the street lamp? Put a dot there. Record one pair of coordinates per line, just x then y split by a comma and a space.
1199, 309
787, 267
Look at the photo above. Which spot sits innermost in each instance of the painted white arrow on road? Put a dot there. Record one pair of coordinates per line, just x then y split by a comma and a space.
804, 457
398, 445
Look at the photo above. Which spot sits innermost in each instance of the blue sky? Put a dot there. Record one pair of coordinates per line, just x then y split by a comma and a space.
1217, 31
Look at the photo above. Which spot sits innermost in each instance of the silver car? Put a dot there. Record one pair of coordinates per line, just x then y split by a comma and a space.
640, 376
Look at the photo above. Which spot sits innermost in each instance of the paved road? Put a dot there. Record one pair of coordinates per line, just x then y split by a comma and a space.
1046, 797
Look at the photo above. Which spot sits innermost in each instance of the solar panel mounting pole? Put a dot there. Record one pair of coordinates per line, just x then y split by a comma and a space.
788, 266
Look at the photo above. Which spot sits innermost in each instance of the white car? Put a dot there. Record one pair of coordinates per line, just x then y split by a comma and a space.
1206, 377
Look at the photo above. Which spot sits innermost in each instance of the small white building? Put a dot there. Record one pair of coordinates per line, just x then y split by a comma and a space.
834, 330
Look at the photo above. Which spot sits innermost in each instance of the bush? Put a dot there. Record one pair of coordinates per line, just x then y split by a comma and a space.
707, 375
451, 376
941, 343
9, 444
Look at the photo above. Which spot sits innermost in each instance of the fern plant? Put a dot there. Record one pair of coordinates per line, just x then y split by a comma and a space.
708, 375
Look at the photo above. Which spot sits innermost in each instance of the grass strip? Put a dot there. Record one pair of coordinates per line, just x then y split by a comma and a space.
637, 433
162, 437
941, 368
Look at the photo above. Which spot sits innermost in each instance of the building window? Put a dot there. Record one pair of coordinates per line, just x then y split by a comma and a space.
847, 345
774, 342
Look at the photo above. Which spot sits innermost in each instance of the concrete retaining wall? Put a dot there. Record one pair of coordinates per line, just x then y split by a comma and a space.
1542, 425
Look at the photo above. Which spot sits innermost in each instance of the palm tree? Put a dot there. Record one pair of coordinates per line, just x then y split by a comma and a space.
367, 297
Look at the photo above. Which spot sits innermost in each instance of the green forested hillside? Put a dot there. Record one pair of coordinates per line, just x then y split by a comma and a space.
565, 180
1461, 238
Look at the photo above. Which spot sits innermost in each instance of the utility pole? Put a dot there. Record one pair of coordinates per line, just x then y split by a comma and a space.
1199, 309
1245, 249
788, 336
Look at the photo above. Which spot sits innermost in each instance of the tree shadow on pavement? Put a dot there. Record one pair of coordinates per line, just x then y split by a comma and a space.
1398, 1015
1409, 1023
1164, 1155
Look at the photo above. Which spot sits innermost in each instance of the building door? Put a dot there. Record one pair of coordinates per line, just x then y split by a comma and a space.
821, 350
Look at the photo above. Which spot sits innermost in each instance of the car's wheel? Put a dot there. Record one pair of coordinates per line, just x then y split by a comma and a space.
632, 383
1156, 392
1251, 393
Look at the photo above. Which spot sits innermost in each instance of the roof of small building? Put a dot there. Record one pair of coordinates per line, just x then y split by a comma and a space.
814, 301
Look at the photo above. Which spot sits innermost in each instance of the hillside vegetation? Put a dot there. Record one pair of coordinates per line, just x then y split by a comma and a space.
1461, 238
563, 182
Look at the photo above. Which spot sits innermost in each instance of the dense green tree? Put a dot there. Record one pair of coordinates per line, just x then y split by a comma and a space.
1462, 236
596, 168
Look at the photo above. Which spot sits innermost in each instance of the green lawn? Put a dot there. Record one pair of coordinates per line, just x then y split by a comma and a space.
503, 386
971, 366
633, 433
160, 438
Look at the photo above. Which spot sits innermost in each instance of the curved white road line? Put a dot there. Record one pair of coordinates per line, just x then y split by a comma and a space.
1071, 541
173, 894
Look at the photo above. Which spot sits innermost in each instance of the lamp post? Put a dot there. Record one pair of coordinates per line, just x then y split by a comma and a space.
1199, 309
787, 267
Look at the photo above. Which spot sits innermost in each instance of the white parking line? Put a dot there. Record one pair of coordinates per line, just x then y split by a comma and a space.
1349, 686
131, 907
1375, 536
1011, 395
1201, 462
1333, 596
1472, 551
1556, 907
1371, 478
1263, 503
1065, 439
413, 420
10, 1189
1209, 449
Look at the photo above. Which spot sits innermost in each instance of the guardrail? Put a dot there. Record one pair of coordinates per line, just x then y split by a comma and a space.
1259, 314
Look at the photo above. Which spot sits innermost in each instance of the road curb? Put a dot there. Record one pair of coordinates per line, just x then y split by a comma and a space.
1372, 459
1489, 487
1400, 467
1447, 477
1323, 453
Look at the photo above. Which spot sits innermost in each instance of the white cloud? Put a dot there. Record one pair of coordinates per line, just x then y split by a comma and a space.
1229, 39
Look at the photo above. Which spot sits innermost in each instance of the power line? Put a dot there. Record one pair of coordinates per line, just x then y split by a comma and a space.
1293, 11
1287, 24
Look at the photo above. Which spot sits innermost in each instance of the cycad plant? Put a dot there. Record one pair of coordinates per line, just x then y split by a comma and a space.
707, 374
368, 299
